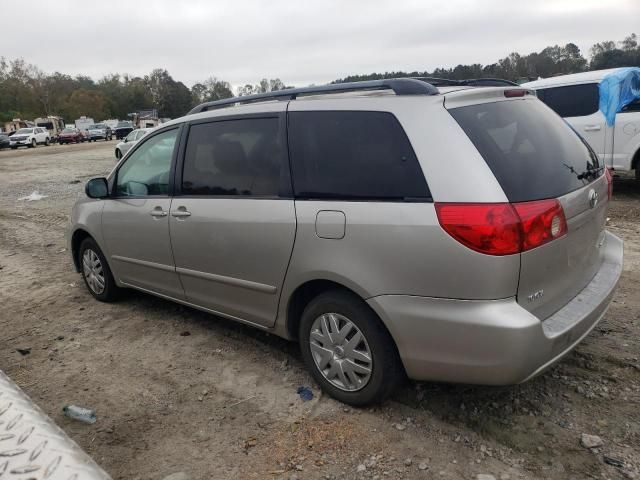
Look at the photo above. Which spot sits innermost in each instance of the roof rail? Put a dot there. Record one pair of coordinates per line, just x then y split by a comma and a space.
400, 86
470, 82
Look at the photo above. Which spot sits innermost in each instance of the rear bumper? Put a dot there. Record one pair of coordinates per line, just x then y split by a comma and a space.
494, 342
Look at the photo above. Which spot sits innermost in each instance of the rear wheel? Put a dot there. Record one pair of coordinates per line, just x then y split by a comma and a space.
46, 142
348, 350
96, 272
33, 143
638, 173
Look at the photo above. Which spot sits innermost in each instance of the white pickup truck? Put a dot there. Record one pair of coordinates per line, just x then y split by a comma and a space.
29, 137
613, 134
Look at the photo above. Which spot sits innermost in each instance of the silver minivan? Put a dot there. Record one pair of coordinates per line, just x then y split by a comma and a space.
391, 227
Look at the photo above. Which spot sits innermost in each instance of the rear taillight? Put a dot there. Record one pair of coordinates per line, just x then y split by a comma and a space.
607, 174
541, 222
503, 228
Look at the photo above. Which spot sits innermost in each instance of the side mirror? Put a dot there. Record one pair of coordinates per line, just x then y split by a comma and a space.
97, 188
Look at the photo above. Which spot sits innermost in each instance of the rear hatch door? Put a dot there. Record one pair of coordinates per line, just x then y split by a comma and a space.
536, 155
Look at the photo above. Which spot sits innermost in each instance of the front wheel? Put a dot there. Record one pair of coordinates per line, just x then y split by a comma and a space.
638, 173
348, 350
96, 272
118, 154
33, 143
46, 142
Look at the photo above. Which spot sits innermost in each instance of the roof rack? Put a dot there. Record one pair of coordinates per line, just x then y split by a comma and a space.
400, 86
470, 82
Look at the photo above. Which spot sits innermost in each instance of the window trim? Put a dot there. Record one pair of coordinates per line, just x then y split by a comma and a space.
179, 168
367, 199
147, 137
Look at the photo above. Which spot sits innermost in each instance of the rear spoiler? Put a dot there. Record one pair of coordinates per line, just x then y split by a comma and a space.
473, 96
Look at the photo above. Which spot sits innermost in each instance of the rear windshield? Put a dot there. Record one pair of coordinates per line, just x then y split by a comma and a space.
533, 153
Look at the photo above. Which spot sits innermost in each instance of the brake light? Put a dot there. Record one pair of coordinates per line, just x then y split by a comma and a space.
541, 221
607, 174
503, 228
515, 93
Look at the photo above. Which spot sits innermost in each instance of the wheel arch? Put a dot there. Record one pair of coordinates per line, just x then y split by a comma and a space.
77, 238
307, 291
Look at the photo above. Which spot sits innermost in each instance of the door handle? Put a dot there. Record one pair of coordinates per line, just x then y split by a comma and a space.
592, 128
181, 212
158, 212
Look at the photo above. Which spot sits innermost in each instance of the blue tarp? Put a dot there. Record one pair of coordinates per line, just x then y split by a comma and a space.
617, 90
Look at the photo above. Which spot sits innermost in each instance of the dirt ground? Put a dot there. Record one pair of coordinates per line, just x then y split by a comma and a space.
177, 390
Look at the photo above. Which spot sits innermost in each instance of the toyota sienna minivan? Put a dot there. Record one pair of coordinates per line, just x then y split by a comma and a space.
391, 227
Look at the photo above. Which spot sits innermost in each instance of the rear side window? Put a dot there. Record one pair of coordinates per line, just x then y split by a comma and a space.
533, 153
353, 155
236, 158
573, 100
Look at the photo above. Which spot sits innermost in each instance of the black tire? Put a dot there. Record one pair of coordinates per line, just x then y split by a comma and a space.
111, 291
14, 148
46, 142
118, 154
33, 143
638, 173
386, 368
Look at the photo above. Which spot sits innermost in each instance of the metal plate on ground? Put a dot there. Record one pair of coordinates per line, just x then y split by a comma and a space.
32, 447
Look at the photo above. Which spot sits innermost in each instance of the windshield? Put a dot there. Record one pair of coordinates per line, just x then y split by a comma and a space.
123, 124
25, 130
97, 126
533, 153
68, 130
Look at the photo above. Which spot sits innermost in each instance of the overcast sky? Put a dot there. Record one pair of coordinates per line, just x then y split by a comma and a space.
298, 41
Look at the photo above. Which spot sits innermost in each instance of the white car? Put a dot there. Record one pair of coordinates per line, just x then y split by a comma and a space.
29, 137
129, 141
578, 98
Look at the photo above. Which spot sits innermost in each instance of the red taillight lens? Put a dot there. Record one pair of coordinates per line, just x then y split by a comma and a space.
515, 93
609, 176
541, 222
487, 228
503, 228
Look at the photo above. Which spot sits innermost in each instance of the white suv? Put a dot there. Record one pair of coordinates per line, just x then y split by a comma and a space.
29, 137
578, 98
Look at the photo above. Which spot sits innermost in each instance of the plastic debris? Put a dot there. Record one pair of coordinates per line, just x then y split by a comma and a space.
33, 196
305, 393
86, 415
617, 90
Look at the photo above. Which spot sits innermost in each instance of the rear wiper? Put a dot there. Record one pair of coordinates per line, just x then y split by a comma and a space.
590, 172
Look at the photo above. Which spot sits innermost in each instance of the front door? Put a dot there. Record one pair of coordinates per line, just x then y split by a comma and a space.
135, 220
233, 223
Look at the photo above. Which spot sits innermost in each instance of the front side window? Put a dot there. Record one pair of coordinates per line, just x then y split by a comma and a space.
353, 155
147, 170
236, 157
572, 100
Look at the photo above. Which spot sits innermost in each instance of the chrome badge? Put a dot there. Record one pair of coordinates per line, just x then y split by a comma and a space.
593, 198
536, 296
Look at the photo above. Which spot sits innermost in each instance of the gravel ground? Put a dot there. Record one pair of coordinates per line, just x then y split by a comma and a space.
177, 390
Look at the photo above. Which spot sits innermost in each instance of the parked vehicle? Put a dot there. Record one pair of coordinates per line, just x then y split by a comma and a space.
578, 99
99, 131
134, 137
335, 220
54, 125
70, 135
123, 129
83, 123
15, 125
4, 140
29, 137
